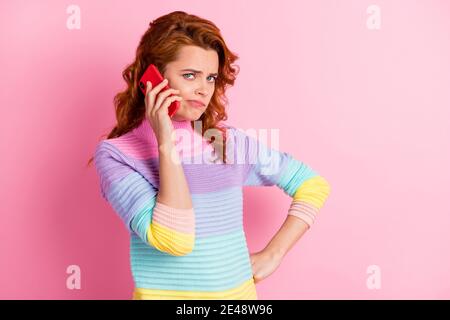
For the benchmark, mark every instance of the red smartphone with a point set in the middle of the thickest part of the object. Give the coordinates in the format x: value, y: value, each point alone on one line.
x: 153, y: 75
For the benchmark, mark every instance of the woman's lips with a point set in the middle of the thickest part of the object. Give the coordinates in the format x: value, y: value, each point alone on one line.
x: 196, y: 104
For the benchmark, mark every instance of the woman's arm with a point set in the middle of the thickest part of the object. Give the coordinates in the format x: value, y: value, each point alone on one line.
x: 173, y: 190
x: 172, y: 228
x: 307, y: 201
x: 133, y: 197
x: 265, y: 262
x: 304, y: 185
x: 172, y: 223
x: 289, y: 233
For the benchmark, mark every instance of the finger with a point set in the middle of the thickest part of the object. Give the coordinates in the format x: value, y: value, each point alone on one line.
x: 163, y: 95
x: 159, y: 87
x: 148, y: 103
x: 164, y: 109
x: 148, y: 87
x: 153, y: 92
x: 167, y: 102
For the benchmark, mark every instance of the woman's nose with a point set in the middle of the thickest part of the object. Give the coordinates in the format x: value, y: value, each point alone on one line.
x: 202, y: 91
x: 203, y: 87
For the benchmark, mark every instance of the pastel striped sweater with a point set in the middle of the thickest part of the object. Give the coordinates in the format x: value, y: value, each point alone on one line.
x: 198, y: 253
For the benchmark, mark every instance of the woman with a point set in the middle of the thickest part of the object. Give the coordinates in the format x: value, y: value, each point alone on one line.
x: 175, y: 182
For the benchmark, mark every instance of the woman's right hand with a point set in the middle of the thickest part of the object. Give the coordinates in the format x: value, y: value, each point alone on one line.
x: 157, y: 110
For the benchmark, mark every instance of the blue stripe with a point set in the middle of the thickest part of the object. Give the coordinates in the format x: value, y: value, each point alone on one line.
x: 217, y: 263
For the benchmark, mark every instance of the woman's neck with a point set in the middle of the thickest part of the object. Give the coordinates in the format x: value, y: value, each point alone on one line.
x: 187, y: 140
x: 145, y: 131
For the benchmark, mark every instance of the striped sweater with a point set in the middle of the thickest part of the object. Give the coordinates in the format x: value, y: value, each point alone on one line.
x: 200, y: 253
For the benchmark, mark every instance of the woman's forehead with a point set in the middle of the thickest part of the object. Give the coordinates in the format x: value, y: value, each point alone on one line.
x: 193, y: 57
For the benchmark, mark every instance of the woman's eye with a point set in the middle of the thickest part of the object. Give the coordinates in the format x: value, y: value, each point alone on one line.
x: 187, y: 74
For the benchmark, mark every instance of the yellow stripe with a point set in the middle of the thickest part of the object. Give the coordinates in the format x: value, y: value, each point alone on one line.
x: 169, y: 240
x: 314, y: 191
x: 246, y: 291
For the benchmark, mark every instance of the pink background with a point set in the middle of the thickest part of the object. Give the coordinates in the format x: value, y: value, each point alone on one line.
x: 368, y: 109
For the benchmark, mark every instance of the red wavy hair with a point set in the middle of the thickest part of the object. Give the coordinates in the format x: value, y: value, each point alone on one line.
x: 159, y: 45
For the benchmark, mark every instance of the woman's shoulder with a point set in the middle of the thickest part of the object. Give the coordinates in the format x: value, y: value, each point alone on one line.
x: 106, y: 149
x: 129, y: 148
x: 237, y: 134
x: 232, y: 129
x: 109, y: 145
x: 118, y: 148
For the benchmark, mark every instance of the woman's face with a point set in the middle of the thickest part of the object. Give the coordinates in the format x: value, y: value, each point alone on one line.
x: 194, y: 74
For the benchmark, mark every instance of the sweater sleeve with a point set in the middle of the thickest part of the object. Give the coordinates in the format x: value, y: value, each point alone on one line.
x: 267, y: 166
x: 309, y: 199
x: 133, y: 198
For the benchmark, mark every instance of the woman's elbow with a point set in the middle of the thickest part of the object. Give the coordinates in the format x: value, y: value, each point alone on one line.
x: 170, y: 241
x: 315, y: 191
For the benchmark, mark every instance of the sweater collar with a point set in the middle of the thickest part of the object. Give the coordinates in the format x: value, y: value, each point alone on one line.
x: 146, y: 133
x: 187, y: 140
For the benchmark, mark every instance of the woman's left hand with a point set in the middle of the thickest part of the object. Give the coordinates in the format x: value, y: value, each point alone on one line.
x: 264, y: 263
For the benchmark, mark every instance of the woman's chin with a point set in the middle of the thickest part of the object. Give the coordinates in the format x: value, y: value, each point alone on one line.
x: 191, y: 116
x: 180, y: 117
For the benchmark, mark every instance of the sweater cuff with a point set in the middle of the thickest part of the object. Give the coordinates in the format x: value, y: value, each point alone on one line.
x: 304, y: 211
x: 182, y: 220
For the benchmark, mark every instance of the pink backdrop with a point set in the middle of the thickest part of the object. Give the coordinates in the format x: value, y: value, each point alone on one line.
x: 367, y: 108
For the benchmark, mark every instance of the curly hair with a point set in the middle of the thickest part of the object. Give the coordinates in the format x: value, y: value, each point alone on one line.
x: 160, y: 45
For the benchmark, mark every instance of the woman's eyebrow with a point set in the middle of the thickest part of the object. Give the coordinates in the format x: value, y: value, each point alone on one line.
x: 200, y: 72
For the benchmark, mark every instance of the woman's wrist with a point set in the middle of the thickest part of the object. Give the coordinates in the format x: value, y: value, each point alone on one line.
x: 165, y: 147
x: 274, y: 252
